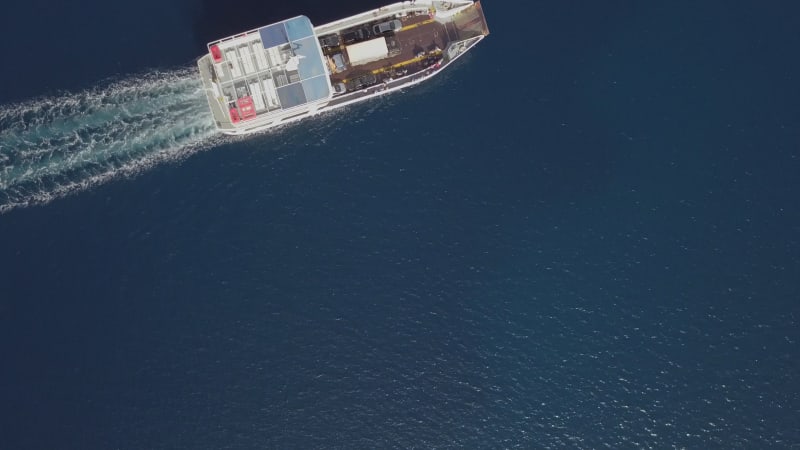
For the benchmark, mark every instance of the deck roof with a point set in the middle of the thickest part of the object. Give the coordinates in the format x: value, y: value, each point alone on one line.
x: 284, y: 56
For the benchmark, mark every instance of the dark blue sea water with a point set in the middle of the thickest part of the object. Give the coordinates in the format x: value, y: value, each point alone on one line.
x: 584, y: 234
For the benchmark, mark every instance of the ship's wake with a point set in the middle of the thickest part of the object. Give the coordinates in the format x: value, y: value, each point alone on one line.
x: 50, y: 147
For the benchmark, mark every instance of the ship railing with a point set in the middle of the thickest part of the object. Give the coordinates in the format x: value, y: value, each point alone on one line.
x: 384, y: 12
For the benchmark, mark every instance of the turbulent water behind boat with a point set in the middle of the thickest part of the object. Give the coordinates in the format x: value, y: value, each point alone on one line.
x: 55, y: 145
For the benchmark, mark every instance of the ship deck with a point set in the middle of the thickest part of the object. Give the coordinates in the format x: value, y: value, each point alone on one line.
x: 415, y: 46
x: 419, y: 38
x: 267, y: 76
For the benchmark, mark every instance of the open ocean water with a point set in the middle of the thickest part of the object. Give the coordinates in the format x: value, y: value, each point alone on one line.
x: 584, y: 234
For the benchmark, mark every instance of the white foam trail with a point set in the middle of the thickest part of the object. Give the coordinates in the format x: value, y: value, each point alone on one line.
x: 53, y: 146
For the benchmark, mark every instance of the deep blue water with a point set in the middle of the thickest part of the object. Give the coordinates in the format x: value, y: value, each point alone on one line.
x: 585, y: 234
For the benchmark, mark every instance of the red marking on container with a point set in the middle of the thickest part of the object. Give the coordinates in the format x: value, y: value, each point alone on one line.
x: 246, y: 108
x: 216, y: 53
x: 234, y: 115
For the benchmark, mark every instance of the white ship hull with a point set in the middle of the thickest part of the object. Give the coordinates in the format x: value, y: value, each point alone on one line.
x: 290, y: 71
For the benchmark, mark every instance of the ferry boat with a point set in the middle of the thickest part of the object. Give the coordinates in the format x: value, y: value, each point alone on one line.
x: 291, y: 70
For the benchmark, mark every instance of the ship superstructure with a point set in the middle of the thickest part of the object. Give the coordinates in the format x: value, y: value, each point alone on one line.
x: 290, y: 70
